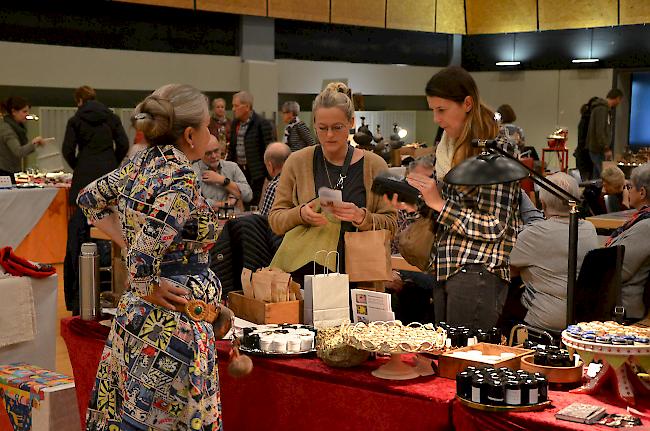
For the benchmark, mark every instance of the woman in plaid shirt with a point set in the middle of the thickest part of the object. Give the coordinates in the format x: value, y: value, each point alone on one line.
x: 476, y: 225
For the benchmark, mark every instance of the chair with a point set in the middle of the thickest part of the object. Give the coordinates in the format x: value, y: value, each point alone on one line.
x: 597, y: 294
x: 613, y: 203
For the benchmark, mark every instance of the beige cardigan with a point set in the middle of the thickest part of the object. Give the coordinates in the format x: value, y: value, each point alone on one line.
x: 297, y: 188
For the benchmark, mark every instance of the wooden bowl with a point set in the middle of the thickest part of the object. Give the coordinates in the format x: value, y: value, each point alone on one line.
x: 553, y: 374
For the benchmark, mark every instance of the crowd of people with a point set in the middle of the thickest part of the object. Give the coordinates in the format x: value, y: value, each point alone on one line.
x: 160, y: 205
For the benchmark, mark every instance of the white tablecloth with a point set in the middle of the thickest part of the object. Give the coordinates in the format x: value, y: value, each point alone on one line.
x: 20, y: 211
x: 42, y: 350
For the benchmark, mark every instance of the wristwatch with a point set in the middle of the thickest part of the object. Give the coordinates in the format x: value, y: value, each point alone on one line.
x: 226, y: 181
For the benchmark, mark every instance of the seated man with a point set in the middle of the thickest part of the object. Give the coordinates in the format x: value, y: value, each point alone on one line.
x: 221, y: 181
x: 634, y: 236
x: 612, y: 183
x: 274, y: 157
x: 541, y: 254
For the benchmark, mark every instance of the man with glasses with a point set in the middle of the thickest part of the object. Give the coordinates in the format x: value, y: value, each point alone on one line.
x: 221, y: 181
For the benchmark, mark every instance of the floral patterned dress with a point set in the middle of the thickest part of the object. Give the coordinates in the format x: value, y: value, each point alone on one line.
x: 158, y: 369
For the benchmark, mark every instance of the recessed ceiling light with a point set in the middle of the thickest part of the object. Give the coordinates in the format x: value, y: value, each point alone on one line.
x: 585, y: 60
x: 508, y: 63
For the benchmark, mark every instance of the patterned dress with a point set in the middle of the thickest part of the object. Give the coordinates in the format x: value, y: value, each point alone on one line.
x: 158, y: 369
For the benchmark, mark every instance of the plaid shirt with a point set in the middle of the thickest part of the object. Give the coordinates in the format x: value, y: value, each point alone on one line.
x: 478, y: 224
x: 269, y: 196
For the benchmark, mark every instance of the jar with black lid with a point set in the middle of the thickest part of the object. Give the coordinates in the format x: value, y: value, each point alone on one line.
x: 496, y: 392
x: 513, y: 392
x: 532, y: 388
x: 542, y: 387
x: 554, y: 360
x: 479, y: 390
x: 495, y: 336
x: 464, y: 384
x: 540, y: 358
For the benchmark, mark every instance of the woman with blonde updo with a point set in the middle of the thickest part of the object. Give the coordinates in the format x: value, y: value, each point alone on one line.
x: 158, y: 369
x: 323, y: 165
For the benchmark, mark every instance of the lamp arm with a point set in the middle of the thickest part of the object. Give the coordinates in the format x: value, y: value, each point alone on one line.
x: 547, y: 185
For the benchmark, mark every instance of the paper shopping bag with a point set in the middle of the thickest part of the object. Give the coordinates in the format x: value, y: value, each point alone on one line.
x: 327, y: 299
x: 264, y: 280
x: 367, y: 255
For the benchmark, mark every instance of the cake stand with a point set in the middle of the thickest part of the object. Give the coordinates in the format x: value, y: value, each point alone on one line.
x: 395, y: 339
x: 617, y: 366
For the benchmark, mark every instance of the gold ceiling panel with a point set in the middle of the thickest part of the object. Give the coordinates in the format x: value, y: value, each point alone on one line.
x: 563, y: 14
x: 635, y: 12
x: 369, y: 13
x: 305, y: 10
x: 183, y: 4
x: 244, y: 7
x: 489, y: 16
x: 419, y: 15
x: 450, y: 16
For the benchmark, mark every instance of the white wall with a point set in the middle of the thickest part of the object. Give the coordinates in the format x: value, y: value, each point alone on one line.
x: 306, y: 77
x: 70, y: 67
x: 544, y: 100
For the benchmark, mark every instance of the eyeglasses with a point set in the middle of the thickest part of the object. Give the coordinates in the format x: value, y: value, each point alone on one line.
x: 627, y: 186
x: 336, y: 128
x: 213, y: 152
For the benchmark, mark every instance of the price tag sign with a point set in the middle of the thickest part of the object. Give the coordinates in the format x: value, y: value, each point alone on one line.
x: 5, y: 182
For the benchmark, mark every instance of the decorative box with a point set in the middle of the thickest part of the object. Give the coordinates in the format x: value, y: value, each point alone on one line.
x: 32, y: 398
x: 449, y: 365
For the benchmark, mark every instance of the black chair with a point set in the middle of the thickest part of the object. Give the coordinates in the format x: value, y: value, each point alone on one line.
x: 597, y: 294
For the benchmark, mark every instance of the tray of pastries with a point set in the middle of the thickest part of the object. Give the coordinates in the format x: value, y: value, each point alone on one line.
x: 277, y: 340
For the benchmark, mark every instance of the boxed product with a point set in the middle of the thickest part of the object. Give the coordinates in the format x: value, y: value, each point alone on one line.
x: 478, y: 355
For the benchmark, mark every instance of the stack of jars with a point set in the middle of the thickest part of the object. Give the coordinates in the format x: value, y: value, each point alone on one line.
x: 462, y: 336
x: 501, y: 386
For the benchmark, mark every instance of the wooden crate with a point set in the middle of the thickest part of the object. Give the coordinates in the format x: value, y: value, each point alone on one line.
x: 449, y: 366
x: 260, y: 312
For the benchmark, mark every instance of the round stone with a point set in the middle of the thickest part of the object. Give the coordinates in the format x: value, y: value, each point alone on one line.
x: 198, y: 310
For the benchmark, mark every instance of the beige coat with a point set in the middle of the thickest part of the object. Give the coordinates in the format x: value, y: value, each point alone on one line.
x: 297, y: 188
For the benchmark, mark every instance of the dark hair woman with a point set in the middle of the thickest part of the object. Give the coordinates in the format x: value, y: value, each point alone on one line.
x: 476, y: 225
x: 14, y: 144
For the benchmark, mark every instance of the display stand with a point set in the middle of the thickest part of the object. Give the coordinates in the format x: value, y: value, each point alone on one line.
x: 617, y: 367
x: 562, y: 155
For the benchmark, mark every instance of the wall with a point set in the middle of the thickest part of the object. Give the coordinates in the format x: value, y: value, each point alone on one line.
x: 544, y: 100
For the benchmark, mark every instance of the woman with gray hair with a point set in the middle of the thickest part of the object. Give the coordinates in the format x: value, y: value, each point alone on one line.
x: 541, y: 253
x: 296, y: 134
x: 633, y: 235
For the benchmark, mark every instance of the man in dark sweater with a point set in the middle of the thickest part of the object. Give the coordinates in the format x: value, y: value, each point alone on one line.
x: 599, y: 134
x: 249, y: 136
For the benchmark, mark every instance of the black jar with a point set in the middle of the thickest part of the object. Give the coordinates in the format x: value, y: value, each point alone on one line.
x: 464, y: 385
x: 496, y: 393
x: 542, y: 388
x: 479, y: 390
x: 513, y: 392
x: 540, y: 358
x: 530, y: 392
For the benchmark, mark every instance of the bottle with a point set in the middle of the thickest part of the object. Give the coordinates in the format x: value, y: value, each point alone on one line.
x: 89, y: 282
x: 464, y: 385
x: 513, y: 392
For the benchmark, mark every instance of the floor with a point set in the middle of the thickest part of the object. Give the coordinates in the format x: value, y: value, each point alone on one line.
x: 62, y: 360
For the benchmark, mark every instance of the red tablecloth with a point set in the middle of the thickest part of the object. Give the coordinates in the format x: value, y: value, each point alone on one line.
x: 304, y: 393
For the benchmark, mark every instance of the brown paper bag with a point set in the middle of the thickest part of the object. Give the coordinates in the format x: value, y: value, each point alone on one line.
x: 246, y: 283
x: 367, y: 255
x: 416, y: 242
x: 263, y: 280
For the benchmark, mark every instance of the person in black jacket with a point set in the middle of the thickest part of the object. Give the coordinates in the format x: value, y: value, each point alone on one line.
x: 94, y: 144
x: 249, y: 136
x: 296, y: 134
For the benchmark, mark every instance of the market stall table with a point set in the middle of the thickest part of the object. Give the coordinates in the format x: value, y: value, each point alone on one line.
x: 611, y: 220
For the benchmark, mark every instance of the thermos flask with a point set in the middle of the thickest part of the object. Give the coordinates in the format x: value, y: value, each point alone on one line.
x: 89, y: 281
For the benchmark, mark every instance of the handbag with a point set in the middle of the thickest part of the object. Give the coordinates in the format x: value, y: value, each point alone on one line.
x: 367, y: 255
x: 416, y: 241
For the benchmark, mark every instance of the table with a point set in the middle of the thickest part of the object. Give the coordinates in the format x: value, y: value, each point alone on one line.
x: 41, y: 351
x: 38, y: 219
x: 611, y: 220
x: 303, y: 393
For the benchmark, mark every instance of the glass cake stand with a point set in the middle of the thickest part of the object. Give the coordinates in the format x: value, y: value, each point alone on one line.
x: 617, y: 366
x: 395, y: 339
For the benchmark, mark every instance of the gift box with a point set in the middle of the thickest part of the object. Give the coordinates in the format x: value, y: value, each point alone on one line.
x: 449, y: 366
x: 32, y: 398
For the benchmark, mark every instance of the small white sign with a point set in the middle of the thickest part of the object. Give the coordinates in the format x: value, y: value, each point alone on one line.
x: 5, y: 182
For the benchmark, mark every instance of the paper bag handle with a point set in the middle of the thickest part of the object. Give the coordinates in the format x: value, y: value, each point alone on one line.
x: 316, y: 255
x: 338, y: 262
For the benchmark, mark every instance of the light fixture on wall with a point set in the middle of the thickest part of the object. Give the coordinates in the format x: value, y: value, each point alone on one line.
x: 511, y: 62
x: 31, y: 117
x: 589, y: 59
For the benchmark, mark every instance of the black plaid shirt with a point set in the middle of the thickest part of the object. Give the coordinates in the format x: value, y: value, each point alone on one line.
x: 269, y: 196
x: 478, y: 224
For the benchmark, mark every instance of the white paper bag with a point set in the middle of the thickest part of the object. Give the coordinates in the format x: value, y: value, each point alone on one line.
x: 327, y: 298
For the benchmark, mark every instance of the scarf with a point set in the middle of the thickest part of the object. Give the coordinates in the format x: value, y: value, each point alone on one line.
x: 642, y: 214
x: 444, y: 155
x: 287, y: 129
x: 19, y: 129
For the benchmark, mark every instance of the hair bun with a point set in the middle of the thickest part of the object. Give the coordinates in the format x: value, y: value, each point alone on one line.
x: 154, y: 117
x: 339, y: 87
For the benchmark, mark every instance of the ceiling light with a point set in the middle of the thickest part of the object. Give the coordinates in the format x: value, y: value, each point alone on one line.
x: 584, y: 60
x: 508, y: 63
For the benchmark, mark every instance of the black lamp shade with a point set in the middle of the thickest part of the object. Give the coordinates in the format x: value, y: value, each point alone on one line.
x: 486, y: 169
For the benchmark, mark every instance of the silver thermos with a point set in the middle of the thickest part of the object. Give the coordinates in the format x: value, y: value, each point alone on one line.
x: 89, y: 281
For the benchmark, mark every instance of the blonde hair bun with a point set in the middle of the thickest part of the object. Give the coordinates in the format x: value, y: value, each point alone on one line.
x: 335, y: 95
x: 339, y: 87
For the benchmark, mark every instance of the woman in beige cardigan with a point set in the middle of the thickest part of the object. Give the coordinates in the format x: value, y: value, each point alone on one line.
x: 320, y: 166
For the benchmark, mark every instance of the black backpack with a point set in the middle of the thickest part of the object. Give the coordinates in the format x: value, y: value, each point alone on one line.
x: 583, y: 125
